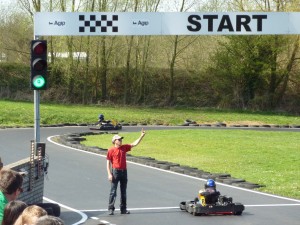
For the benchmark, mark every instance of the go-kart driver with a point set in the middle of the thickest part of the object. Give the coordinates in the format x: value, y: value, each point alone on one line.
x: 210, y: 194
x: 101, y: 120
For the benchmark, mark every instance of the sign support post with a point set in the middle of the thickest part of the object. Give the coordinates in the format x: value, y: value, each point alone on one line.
x: 36, y: 94
x: 36, y: 116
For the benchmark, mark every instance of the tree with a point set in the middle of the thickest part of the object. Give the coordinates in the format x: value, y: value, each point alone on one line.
x: 103, y: 54
x: 128, y: 60
x: 254, y: 71
x: 177, y: 50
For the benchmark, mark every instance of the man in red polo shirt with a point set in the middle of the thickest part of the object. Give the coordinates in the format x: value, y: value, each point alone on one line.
x: 117, y: 171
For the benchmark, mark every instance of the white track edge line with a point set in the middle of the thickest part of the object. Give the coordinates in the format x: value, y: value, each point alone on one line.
x: 84, y: 217
x: 177, y: 207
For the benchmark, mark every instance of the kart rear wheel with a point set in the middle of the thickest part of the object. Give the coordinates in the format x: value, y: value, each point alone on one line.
x: 51, y: 208
x: 238, y: 213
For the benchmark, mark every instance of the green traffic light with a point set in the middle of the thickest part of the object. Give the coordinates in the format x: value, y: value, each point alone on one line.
x: 39, y: 82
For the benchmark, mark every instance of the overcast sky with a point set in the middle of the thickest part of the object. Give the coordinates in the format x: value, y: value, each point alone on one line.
x: 7, y: 1
x: 164, y: 4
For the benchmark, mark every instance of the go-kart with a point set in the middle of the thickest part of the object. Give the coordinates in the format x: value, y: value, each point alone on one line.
x: 220, y: 205
x: 106, y: 125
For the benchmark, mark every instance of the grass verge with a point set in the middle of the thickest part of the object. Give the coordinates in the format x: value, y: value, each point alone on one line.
x: 264, y: 157
x: 22, y: 114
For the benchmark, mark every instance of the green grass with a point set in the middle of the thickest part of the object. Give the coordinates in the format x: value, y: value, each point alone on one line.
x: 268, y: 158
x: 22, y: 114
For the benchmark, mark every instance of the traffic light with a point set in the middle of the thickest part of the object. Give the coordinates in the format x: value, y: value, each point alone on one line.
x: 38, y: 80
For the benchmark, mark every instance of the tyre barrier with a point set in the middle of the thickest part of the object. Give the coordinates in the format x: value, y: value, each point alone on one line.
x: 187, y: 122
x: 73, y: 140
x: 52, y: 209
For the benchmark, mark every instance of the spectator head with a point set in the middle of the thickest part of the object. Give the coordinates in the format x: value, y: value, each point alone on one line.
x: 10, y: 183
x: 12, y: 211
x: 30, y: 215
x: 49, y: 220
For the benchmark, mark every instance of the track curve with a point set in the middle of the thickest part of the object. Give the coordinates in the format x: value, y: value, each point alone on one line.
x: 77, y: 180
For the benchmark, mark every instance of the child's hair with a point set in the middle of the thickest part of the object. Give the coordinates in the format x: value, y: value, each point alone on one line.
x: 49, y: 220
x: 30, y: 215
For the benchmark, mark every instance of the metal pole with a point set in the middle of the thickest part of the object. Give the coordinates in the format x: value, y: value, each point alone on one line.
x: 36, y: 116
x: 36, y: 112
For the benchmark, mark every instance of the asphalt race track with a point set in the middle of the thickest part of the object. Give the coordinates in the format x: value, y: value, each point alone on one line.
x: 77, y: 180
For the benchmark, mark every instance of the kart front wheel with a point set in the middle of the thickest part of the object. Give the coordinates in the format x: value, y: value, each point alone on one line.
x: 182, y: 206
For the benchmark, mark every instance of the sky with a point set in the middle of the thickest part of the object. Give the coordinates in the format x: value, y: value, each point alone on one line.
x: 7, y: 1
x: 168, y: 6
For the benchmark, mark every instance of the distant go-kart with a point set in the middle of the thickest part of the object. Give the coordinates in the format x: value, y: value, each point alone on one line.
x: 105, y: 124
x: 207, y: 204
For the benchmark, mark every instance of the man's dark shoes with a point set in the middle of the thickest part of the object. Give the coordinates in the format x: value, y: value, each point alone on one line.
x: 110, y: 212
x: 125, y: 212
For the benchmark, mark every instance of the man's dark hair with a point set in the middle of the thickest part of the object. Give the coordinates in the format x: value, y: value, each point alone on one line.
x: 10, y: 181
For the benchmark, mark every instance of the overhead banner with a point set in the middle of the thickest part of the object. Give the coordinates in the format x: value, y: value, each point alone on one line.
x: 169, y: 23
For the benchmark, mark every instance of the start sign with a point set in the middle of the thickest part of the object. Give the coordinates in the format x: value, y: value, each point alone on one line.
x: 149, y: 23
x: 223, y: 23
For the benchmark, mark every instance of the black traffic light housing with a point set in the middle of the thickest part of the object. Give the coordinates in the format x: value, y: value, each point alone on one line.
x: 39, y: 79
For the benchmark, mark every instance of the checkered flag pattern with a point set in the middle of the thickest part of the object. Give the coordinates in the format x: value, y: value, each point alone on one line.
x: 102, y: 24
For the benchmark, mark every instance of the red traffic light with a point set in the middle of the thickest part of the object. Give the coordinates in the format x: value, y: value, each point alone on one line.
x: 39, y: 48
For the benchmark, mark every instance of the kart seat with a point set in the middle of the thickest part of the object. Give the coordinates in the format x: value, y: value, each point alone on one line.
x: 211, y: 197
